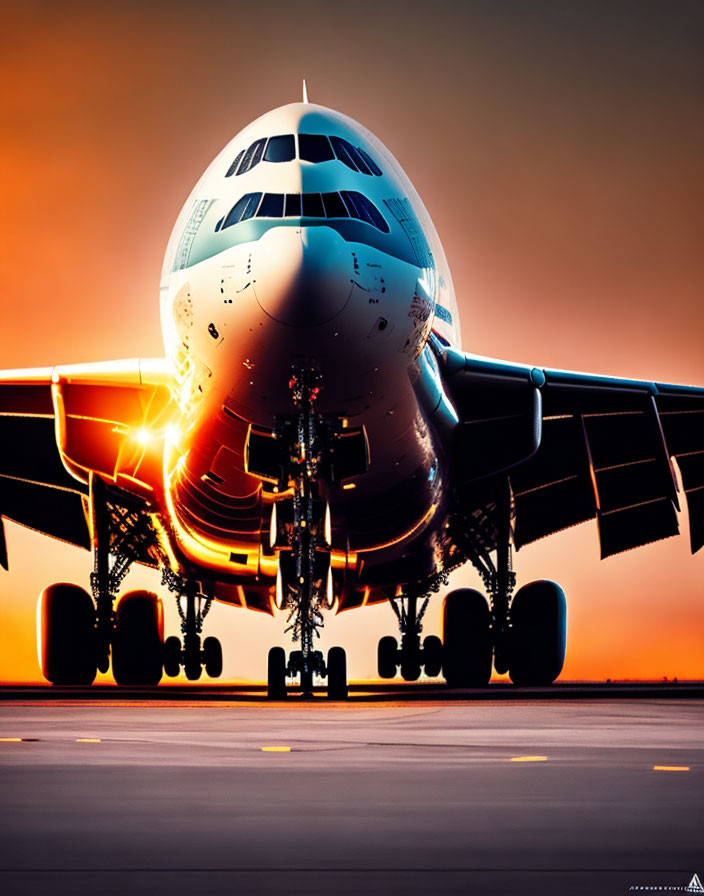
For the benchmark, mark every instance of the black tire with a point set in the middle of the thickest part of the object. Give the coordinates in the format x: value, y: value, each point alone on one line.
x: 276, y: 674
x: 172, y: 656
x: 212, y: 653
x: 67, y: 634
x: 193, y: 669
x: 467, y: 642
x: 538, y: 634
x: 137, y: 649
x: 410, y: 670
x: 386, y: 655
x: 337, y: 674
x: 432, y: 656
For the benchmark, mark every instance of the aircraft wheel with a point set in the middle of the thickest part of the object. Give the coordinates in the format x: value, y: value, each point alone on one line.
x: 193, y: 669
x: 386, y: 656
x: 212, y: 654
x: 538, y: 634
x: 137, y: 648
x: 172, y: 656
x: 337, y: 674
x: 432, y: 655
x: 467, y: 645
x: 276, y: 674
x: 67, y: 634
x: 410, y: 670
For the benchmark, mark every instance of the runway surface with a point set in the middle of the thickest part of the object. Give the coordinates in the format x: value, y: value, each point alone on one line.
x: 128, y: 795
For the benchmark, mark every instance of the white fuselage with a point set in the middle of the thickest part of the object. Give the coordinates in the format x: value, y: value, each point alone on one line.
x: 284, y: 264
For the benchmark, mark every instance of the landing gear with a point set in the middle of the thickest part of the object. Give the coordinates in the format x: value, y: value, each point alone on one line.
x: 137, y: 641
x: 276, y: 674
x: 193, y: 607
x: 538, y: 634
x: 527, y: 635
x: 411, y: 656
x: 301, y: 535
x: 337, y: 674
x: 335, y: 670
x: 67, y: 635
x: 467, y: 639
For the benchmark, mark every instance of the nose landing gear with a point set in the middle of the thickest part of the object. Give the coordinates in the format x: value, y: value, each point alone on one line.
x: 302, y: 538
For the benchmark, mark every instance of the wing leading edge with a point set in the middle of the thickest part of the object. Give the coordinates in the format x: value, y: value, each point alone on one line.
x: 604, y: 449
x: 60, y: 425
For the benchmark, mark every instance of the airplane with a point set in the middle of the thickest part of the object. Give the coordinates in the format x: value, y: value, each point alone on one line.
x: 315, y: 440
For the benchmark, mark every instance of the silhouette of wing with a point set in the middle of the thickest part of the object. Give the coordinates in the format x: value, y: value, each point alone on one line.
x: 578, y: 446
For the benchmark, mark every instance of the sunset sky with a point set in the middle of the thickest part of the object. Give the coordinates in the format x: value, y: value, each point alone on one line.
x: 558, y: 147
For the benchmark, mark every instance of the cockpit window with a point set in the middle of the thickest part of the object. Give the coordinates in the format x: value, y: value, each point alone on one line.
x: 280, y: 149
x: 293, y: 205
x: 314, y: 148
x: 361, y: 207
x: 272, y: 206
x: 346, y: 204
x: 334, y: 206
x: 243, y: 209
x: 313, y: 206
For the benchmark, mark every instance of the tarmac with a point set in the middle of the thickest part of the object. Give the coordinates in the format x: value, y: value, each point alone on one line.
x: 582, y: 789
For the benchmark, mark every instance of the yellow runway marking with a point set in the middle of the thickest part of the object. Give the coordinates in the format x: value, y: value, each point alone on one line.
x: 670, y: 768
x: 88, y: 740
x: 276, y: 749
x: 528, y: 759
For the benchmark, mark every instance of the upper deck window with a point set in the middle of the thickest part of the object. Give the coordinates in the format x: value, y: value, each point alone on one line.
x: 233, y: 167
x: 280, y: 149
x: 371, y: 164
x: 252, y: 156
x: 340, y: 147
x: 311, y: 148
x: 314, y: 148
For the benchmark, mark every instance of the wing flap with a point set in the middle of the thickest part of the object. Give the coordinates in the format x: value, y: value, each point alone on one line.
x: 28, y: 451
x: 53, y: 511
x: 631, y: 527
x: 605, y: 452
x: 682, y: 418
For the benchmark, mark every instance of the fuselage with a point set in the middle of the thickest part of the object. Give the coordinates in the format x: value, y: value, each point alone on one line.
x: 305, y: 243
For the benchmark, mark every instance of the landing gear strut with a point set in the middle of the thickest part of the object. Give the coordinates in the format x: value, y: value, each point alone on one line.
x: 410, y: 656
x: 527, y: 634
x: 193, y: 607
x: 303, y: 542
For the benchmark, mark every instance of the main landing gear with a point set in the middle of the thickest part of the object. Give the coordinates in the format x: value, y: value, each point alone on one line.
x: 193, y: 656
x: 411, y: 656
x: 301, y: 535
x: 524, y: 636
x: 80, y: 633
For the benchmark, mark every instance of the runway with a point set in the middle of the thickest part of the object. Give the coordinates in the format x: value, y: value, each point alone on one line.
x: 131, y: 795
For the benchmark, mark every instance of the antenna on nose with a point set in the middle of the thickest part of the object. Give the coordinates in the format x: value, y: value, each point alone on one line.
x: 305, y: 91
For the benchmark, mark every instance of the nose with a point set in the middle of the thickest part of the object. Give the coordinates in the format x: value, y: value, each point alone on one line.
x: 303, y: 275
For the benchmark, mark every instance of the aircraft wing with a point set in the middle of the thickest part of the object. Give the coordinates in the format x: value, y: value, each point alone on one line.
x: 584, y: 446
x: 60, y: 425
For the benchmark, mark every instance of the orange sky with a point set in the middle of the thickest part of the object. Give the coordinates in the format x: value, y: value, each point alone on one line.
x: 557, y: 146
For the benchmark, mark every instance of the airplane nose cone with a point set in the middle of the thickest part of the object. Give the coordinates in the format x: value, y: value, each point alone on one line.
x: 302, y: 275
